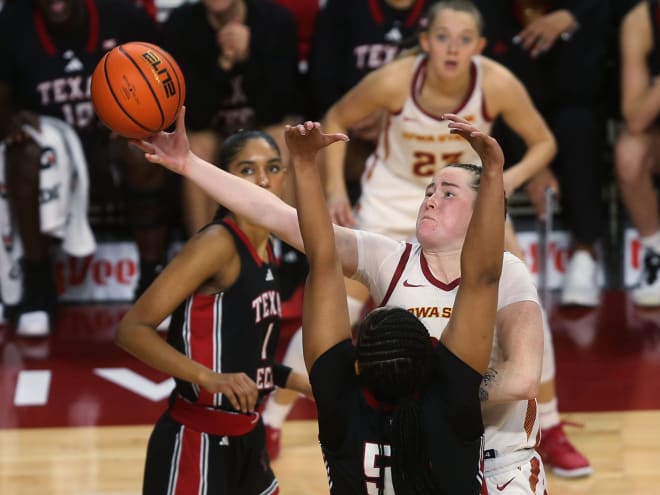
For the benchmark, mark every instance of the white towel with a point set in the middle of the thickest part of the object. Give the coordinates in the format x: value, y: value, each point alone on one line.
x: 64, y: 196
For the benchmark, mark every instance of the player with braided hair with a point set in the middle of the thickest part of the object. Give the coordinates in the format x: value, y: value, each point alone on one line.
x: 380, y: 401
x: 394, y: 373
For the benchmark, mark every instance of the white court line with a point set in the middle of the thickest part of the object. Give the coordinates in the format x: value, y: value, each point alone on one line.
x: 32, y: 388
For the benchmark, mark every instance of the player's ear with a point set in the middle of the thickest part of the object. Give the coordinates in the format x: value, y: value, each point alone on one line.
x: 423, y: 41
x: 481, y: 44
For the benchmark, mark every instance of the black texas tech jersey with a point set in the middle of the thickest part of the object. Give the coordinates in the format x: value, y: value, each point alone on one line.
x: 235, y: 330
x: 354, y: 428
x: 51, y: 74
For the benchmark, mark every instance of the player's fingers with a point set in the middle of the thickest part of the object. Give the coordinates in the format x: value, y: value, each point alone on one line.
x: 153, y: 158
x: 141, y: 145
x: 181, y: 119
x: 338, y: 136
x: 334, y: 217
x: 454, y: 118
x: 233, y: 399
x: 249, y: 393
x: 347, y: 218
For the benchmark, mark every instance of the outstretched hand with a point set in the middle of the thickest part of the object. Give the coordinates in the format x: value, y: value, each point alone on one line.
x: 486, y: 146
x: 305, y: 140
x: 169, y: 149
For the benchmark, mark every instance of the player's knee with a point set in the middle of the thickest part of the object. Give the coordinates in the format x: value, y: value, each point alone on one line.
x: 629, y: 163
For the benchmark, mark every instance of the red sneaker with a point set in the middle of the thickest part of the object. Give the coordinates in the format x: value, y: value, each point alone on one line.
x: 559, y: 454
x: 273, y: 445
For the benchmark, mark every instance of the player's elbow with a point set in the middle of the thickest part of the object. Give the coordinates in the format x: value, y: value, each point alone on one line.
x: 635, y: 121
x: 636, y: 125
x: 528, y: 388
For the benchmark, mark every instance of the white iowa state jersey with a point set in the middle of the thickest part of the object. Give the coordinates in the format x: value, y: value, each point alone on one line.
x: 412, y: 146
x: 397, y: 274
x: 415, y: 143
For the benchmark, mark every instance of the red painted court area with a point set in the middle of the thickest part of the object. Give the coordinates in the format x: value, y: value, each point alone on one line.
x: 607, y: 360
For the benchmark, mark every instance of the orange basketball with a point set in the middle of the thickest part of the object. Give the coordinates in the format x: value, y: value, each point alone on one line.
x: 137, y: 89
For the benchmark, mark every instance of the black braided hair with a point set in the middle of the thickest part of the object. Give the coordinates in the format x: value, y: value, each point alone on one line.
x: 394, y: 354
x: 232, y: 146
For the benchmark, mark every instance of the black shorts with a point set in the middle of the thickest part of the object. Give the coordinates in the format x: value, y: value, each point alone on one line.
x: 182, y: 461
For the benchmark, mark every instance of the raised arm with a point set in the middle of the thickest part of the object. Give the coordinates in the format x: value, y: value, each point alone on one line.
x: 469, y: 333
x: 172, y: 151
x: 325, y: 313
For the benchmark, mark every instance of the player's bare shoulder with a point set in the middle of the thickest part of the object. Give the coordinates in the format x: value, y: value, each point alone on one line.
x: 499, y: 85
x: 392, y: 81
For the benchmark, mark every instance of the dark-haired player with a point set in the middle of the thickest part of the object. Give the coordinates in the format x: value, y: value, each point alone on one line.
x: 395, y: 414
x: 223, y: 290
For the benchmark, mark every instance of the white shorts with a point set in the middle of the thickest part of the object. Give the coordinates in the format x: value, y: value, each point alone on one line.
x: 389, y: 204
x: 526, y: 477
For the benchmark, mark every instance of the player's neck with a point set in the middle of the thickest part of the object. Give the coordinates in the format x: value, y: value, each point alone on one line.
x: 75, y: 23
x: 257, y: 235
x: 455, y: 87
x: 400, y: 4
x: 236, y: 12
x: 445, y: 265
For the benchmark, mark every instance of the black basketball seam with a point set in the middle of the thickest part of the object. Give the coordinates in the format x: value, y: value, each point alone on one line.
x: 170, y: 60
x: 151, y: 89
x: 153, y: 93
x: 114, y: 96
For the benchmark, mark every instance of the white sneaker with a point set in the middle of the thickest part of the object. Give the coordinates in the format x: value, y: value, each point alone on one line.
x: 33, y: 324
x: 647, y: 292
x: 580, y: 286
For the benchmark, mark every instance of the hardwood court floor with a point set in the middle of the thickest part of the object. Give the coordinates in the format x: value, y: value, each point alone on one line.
x: 76, y: 411
x: 623, y: 447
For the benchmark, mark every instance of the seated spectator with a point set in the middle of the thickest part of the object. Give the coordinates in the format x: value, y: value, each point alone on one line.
x: 239, y: 59
x: 49, y: 51
x: 638, y: 145
x: 541, y: 42
x: 62, y: 215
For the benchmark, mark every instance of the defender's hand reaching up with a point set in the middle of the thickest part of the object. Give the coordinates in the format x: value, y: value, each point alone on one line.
x: 305, y: 140
x: 486, y: 147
